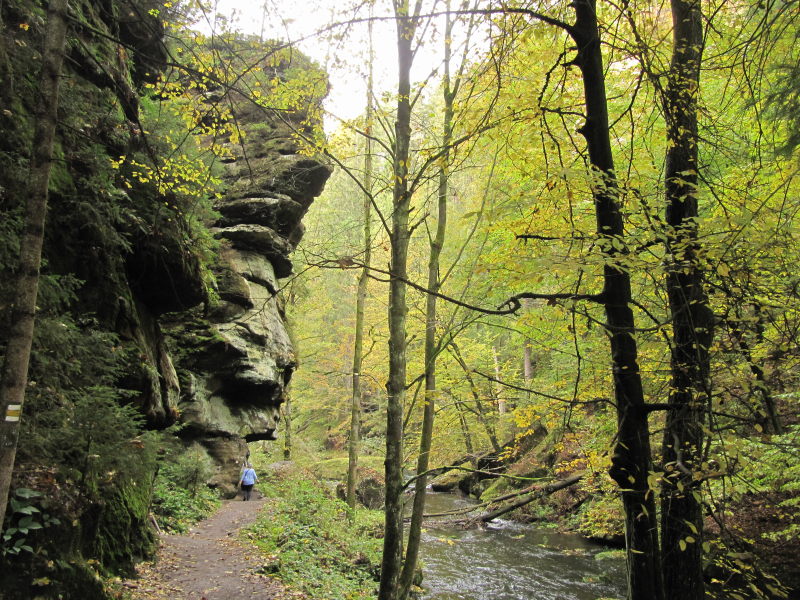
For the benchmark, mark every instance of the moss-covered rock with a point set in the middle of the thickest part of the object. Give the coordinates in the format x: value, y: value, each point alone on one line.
x: 120, y: 532
x: 280, y: 213
x: 451, y: 481
x: 84, y: 538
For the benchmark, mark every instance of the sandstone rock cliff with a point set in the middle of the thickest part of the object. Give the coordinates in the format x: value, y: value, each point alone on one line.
x: 242, y: 356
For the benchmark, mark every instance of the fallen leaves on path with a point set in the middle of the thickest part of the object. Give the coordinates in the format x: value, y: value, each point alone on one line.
x: 208, y: 563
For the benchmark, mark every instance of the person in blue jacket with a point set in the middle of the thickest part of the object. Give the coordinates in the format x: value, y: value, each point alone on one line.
x: 247, y: 481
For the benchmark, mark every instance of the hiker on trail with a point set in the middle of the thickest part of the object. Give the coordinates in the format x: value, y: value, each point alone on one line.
x: 247, y: 481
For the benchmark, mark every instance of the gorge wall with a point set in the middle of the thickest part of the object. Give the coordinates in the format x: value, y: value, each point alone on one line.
x: 159, y: 295
x: 240, y: 356
x: 151, y: 303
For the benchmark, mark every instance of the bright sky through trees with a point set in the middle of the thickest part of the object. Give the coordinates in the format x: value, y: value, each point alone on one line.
x: 342, y: 49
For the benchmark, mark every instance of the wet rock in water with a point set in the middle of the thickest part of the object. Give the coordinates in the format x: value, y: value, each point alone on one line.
x: 449, y: 481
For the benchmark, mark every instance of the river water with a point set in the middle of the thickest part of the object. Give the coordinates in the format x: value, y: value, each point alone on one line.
x: 511, y: 561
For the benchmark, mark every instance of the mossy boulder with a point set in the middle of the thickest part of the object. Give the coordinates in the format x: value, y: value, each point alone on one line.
x: 451, y: 481
x: 280, y: 212
x: 299, y: 177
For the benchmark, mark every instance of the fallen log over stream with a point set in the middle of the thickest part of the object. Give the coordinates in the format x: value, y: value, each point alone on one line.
x: 518, y: 499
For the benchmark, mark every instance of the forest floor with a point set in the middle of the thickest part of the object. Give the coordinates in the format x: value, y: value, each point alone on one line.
x: 209, y: 562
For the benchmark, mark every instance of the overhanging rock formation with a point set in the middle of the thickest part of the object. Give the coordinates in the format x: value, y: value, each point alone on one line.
x: 238, y: 354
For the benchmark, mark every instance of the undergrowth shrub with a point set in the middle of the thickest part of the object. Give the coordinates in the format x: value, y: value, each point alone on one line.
x: 310, y: 543
x: 180, y: 495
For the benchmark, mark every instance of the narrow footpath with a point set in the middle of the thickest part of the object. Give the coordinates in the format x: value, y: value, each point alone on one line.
x: 209, y: 563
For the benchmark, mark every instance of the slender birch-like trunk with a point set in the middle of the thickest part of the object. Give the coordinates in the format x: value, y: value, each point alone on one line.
x: 431, y: 349
x: 361, y: 297
x: 396, y: 385
x: 15, y: 366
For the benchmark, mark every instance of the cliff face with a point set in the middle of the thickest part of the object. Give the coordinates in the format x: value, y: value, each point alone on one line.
x: 150, y: 303
x: 125, y: 302
x: 241, y: 357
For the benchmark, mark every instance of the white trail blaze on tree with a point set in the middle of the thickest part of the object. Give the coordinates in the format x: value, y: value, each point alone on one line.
x: 15, y: 367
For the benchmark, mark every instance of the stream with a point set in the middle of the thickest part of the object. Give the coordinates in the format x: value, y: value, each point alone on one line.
x: 512, y: 561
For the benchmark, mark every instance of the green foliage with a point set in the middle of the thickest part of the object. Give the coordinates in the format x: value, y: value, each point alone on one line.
x: 736, y: 576
x: 180, y: 496
x: 335, y: 469
x: 311, y: 544
x: 23, y: 516
x: 602, y: 518
x: 774, y: 467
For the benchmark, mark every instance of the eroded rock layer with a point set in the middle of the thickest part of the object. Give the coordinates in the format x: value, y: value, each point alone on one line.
x: 242, y: 357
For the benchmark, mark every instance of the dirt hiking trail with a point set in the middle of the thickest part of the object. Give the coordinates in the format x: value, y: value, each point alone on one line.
x: 209, y: 562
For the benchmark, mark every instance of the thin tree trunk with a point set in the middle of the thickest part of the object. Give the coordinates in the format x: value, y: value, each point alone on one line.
x: 498, y: 390
x: 527, y: 353
x: 286, y: 410
x: 527, y: 362
x: 762, y: 387
x: 462, y: 420
x: 692, y: 319
x: 15, y: 366
x: 361, y: 298
x: 431, y: 348
x: 631, y: 463
x: 396, y: 384
x: 476, y: 397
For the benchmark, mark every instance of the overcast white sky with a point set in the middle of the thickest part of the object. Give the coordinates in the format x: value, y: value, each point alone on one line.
x: 343, y: 51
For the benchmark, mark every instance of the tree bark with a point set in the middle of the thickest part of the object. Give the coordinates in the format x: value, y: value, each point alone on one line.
x: 692, y: 319
x: 468, y: 446
x: 396, y: 384
x: 431, y: 348
x: 527, y: 362
x: 15, y: 366
x: 498, y: 389
x: 631, y: 462
x: 361, y: 298
x: 761, y: 386
x: 286, y: 410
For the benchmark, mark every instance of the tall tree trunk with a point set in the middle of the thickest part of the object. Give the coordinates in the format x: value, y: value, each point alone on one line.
x: 462, y: 421
x: 771, y: 417
x: 527, y: 361
x: 286, y: 412
x: 631, y: 463
x: 431, y: 348
x: 361, y: 298
x: 692, y: 319
x: 15, y: 366
x: 396, y: 384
